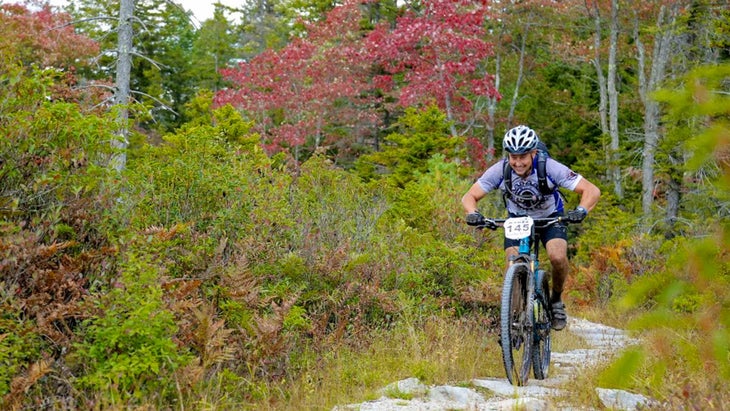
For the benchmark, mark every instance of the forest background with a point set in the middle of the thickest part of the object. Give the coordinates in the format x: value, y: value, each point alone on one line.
x: 263, y: 212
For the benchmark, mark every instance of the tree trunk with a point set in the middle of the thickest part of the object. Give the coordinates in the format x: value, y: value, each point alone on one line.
x: 651, y: 138
x: 450, y: 115
x: 660, y: 58
x: 615, y: 168
x: 674, y: 196
x: 491, y: 111
x: 608, y: 95
x: 122, y: 91
x: 520, y: 75
x: 602, y: 90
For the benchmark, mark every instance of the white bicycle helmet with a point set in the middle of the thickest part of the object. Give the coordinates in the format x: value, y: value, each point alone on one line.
x: 520, y: 140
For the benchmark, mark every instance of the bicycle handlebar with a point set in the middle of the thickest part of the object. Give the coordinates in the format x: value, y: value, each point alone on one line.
x: 539, y: 222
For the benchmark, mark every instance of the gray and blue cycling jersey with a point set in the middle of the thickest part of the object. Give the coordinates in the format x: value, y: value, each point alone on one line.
x: 528, y: 199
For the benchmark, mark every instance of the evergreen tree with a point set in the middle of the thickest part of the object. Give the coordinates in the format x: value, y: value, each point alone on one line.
x: 162, y: 74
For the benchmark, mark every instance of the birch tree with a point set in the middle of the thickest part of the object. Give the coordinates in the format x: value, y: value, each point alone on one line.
x: 699, y: 41
x: 608, y: 93
x: 651, y: 73
x: 614, y: 168
x: 520, y: 75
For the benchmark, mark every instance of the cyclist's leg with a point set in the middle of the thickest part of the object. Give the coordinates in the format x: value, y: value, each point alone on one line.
x: 557, y: 251
x: 555, y: 239
x: 511, y: 249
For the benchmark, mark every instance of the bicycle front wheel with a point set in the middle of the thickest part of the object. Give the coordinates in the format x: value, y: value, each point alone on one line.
x: 542, y: 342
x: 516, y: 324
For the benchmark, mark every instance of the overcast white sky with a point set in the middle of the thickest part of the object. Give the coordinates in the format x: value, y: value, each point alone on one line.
x: 202, y: 9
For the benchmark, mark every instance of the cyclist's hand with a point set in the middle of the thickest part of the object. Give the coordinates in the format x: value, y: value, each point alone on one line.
x: 475, y: 219
x: 577, y: 215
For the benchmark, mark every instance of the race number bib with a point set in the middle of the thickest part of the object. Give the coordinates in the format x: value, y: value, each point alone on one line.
x: 518, y: 228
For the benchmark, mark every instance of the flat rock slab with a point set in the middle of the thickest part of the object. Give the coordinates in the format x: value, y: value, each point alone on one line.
x: 600, y: 336
x: 501, y: 386
x: 623, y: 400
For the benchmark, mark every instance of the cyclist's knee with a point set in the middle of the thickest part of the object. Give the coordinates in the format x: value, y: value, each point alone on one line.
x: 558, y: 260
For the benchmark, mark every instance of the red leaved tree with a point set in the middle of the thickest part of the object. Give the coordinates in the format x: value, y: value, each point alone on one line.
x: 43, y: 38
x: 326, y: 88
x: 313, y: 92
x: 438, y: 51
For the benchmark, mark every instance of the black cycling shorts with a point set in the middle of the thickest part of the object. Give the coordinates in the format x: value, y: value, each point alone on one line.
x: 557, y: 230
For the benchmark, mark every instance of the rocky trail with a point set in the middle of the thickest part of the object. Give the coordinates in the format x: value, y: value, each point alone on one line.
x: 498, y: 394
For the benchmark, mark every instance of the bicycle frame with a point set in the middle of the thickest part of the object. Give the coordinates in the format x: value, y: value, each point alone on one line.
x: 527, y: 243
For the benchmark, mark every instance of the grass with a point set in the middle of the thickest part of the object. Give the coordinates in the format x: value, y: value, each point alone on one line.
x: 435, y: 350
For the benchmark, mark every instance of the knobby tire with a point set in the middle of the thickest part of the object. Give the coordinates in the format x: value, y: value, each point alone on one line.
x: 542, y: 341
x: 516, y: 324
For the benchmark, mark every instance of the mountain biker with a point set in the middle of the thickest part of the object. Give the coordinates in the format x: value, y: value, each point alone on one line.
x: 524, y: 198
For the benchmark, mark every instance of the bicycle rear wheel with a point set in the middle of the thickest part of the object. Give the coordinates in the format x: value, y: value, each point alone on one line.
x: 542, y: 342
x: 516, y: 324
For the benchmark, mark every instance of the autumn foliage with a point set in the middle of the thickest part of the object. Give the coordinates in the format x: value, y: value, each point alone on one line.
x: 435, y: 55
x: 43, y: 37
x: 338, y: 84
x: 314, y: 91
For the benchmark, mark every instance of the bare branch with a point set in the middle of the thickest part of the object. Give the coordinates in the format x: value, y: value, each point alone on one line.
x: 158, y: 101
x: 84, y: 20
x: 95, y: 85
x: 154, y: 63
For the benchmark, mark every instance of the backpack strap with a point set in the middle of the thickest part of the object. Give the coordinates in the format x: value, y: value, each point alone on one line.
x: 542, y: 180
x: 542, y: 183
x: 507, y: 175
x: 507, y: 178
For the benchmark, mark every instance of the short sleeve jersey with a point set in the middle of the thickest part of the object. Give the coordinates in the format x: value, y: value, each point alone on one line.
x: 541, y: 206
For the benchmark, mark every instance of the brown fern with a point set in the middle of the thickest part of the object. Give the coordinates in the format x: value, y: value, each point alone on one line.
x: 211, y: 338
x: 22, y: 383
x: 162, y: 233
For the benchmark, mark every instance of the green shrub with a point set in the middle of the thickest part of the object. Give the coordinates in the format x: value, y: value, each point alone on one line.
x: 128, y: 351
x: 215, y: 178
x: 19, y: 346
x: 421, y: 135
x: 52, y: 154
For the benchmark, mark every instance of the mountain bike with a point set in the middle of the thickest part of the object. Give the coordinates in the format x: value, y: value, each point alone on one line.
x: 525, y: 314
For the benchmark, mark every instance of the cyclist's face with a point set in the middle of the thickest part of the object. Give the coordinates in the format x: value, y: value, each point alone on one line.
x: 522, y: 163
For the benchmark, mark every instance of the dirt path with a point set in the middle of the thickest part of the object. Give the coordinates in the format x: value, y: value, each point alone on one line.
x: 604, y: 342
